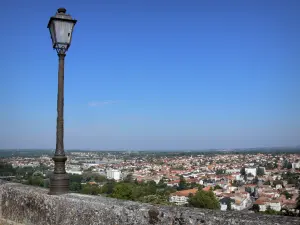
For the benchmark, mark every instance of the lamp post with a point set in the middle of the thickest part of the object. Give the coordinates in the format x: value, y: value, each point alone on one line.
x: 61, y: 27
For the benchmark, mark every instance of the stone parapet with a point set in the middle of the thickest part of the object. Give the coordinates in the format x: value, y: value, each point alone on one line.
x: 21, y: 204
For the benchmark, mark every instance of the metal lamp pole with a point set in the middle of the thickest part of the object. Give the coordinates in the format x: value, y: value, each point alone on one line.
x: 61, y: 27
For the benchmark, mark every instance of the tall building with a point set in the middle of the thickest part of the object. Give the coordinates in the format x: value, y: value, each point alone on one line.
x: 113, y: 174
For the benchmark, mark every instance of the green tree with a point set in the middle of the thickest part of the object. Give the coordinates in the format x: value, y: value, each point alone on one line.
x: 271, y: 211
x: 161, y: 184
x: 228, y: 205
x: 75, y: 178
x: 255, y: 208
x: 217, y: 187
x: 110, y: 186
x: 128, y: 178
x: 100, y: 178
x: 243, y: 171
x: 287, y: 195
x: 248, y: 189
x: 255, y: 180
x: 220, y: 171
x: 204, y: 199
x: 182, y: 183
x: 260, y: 171
x: 7, y: 170
x: 200, y: 187
x: 275, y: 182
x: 298, y: 204
x: 36, y: 181
x: 90, y: 189
x: 46, y: 183
x: 123, y: 191
x: 74, y: 186
x: 194, y: 185
x: 156, y: 199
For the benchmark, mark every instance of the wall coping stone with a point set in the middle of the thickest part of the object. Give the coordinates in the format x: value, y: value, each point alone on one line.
x: 27, y: 205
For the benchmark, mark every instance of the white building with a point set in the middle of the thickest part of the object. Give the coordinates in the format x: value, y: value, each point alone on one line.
x: 182, y: 197
x: 273, y: 205
x: 240, y: 204
x: 296, y: 165
x: 113, y: 174
x: 223, y: 207
x: 264, y: 203
x: 232, y: 171
x: 71, y: 171
x: 179, y: 200
x: 251, y: 171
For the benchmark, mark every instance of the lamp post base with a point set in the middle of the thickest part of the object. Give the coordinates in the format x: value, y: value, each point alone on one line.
x: 59, y: 184
x: 59, y: 180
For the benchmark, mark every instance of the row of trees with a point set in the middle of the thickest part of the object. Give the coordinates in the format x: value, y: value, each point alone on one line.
x: 149, y: 192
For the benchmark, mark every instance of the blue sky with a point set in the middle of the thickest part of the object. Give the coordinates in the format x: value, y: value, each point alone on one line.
x: 152, y: 74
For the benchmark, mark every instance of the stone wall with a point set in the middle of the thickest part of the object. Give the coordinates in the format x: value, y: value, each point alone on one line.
x: 21, y: 204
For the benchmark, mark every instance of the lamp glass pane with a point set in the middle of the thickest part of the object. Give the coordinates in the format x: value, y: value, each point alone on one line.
x: 52, y: 33
x: 63, y: 31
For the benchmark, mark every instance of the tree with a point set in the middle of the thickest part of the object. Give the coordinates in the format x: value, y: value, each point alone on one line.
x: 255, y: 208
x: 243, y: 171
x: 161, y: 184
x: 220, y: 171
x: 36, y: 181
x: 90, y: 189
x: 46, y: 183
x: 182, y: 183
x: 270, y: 211
x: 110, y: 186
x: 128, y: 178
x: 298, y: 204
x: 287, y: 164
x: 260, y: 171
x: 74, y: 186
x: 228, y: 205
x: 248, y: 189
x: 267, y: 182
x: 75, y: 178
x: 7, y: 169
x: 204, y: 199
x: 255, y: 180
x: 99, y: 178
x: 156, y: 199
x: 194, y: 185
x: 123, y: 191
x: 287, y: 195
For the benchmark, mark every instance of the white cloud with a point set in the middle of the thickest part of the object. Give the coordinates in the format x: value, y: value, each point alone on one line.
x: 100, y: 103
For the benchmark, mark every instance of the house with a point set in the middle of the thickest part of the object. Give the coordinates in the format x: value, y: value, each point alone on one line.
x: 173, y: 183
x: 275, y: 205
x: 224, y: 202
x: 181, y: 197
x: 239, y: 203
x: 265, y: 202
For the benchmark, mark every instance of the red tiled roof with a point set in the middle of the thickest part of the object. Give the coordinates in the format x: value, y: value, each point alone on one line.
x: 185, y: 192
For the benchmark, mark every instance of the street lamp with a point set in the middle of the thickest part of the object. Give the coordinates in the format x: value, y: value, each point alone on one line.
x: 61, y: 27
